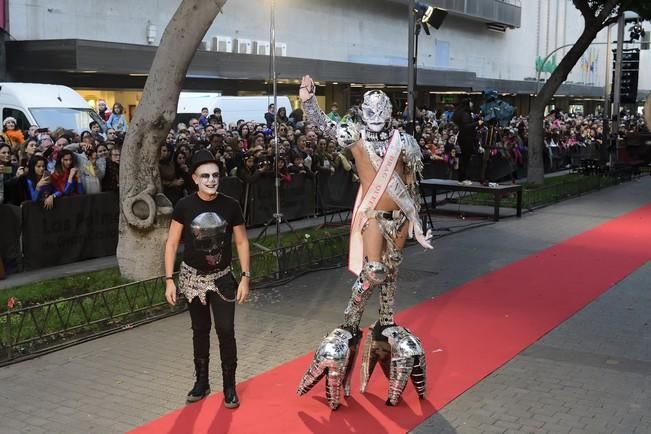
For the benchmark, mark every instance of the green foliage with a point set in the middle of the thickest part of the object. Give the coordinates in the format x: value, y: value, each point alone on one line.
x: 53, y: 289
x: 641, y: 7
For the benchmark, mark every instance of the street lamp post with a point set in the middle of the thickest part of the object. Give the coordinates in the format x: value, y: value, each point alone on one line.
x: 419, y: 16
x: 411, y: 68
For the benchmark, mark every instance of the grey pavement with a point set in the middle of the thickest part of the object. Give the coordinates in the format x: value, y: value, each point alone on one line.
x: 591, y: 374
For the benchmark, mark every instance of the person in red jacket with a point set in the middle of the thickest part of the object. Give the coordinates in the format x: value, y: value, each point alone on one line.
x: 65, y: 178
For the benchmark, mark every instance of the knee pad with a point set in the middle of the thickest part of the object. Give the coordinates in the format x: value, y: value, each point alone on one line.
x: 375, y: 272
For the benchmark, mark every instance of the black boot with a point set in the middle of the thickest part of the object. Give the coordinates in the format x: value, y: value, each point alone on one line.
x: 201, y: 387
x: 230, y: 395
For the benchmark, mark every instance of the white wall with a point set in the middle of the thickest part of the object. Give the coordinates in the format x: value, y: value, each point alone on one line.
x: 371, y: 31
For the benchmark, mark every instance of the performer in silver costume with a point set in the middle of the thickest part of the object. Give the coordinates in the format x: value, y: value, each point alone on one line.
x: 386, y: 212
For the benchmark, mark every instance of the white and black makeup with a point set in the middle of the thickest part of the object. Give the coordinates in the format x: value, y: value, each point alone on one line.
x: 206, y: 177
x: 376, y: 110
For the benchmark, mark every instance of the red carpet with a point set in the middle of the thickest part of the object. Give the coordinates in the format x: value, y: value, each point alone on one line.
x: 469, y: 332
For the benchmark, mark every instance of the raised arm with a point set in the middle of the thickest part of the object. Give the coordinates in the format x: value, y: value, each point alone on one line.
x: 346, y: 134
x: 311, y: 109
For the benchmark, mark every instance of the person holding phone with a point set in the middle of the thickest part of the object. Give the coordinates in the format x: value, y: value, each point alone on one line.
x: 205, y: 222
x: 37, y: 183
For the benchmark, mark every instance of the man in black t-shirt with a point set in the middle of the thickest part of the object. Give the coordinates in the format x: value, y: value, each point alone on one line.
x: 205, y: 222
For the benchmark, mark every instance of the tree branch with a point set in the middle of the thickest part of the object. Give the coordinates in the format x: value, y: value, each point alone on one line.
x: 607, y: 10
x: 585, y: 9
x: 611, y: 20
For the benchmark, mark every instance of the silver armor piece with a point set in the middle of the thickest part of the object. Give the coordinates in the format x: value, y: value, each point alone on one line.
x: 375, y: 272
x: 357, y: 303
x: 346, y: 133
x: 332, y: 360
x: 407, y: 361
x: 374, y: 352
x: 208, y: 225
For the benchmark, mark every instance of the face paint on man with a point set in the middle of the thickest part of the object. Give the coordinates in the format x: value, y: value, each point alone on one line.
x: 207, y: 178
x: 376, y: 110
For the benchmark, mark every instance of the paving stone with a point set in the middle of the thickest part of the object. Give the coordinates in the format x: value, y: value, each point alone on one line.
x: 589, y: 370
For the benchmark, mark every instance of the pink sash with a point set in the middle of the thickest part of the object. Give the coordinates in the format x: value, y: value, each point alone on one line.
x: 369, y: 202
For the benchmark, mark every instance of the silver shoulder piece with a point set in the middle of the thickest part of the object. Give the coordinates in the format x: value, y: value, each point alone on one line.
x: 348, y: 133
x: 411, y: 154
x: 407, y: 361
x: 333, y: 359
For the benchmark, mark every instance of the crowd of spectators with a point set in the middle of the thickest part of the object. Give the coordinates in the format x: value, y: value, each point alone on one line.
x: 43, y: 165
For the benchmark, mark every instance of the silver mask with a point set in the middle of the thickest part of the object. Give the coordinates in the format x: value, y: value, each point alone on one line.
x: 376, y: 110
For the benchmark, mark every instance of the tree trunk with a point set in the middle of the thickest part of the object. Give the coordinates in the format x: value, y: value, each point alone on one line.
x: 535, y: 169
x: 145, y: 211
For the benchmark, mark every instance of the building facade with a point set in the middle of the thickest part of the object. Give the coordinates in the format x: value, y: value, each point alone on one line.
x: 104, y: 49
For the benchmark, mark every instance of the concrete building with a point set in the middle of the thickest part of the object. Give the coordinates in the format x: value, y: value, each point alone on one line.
x: 104, y: 50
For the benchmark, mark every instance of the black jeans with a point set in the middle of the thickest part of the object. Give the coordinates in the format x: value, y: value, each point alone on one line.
x: 464, y: 161
x: 224, y: 316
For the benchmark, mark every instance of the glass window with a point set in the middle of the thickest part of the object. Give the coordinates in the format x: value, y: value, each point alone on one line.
x: 21, y: 119
x: 76, y: 119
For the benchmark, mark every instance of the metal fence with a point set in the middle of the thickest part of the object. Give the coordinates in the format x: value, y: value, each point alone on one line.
x: 35, y: 330
x: 548, y: 194
x: 538, y: 196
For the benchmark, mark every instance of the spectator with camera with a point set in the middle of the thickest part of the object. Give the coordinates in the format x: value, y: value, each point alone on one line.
x: 298, y: 166
x: 323, y: 161
x: 36, y: 183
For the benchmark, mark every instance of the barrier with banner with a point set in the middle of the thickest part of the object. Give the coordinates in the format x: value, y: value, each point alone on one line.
x: 336, y: 191
x: 10, y: 235
x: 231, y: 186
x: 77, y: 228
x: 297, y: 199
x: 84, y: 227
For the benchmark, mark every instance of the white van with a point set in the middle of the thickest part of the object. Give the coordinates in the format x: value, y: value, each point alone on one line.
x: 46, y: 105
x: 234, y: 108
